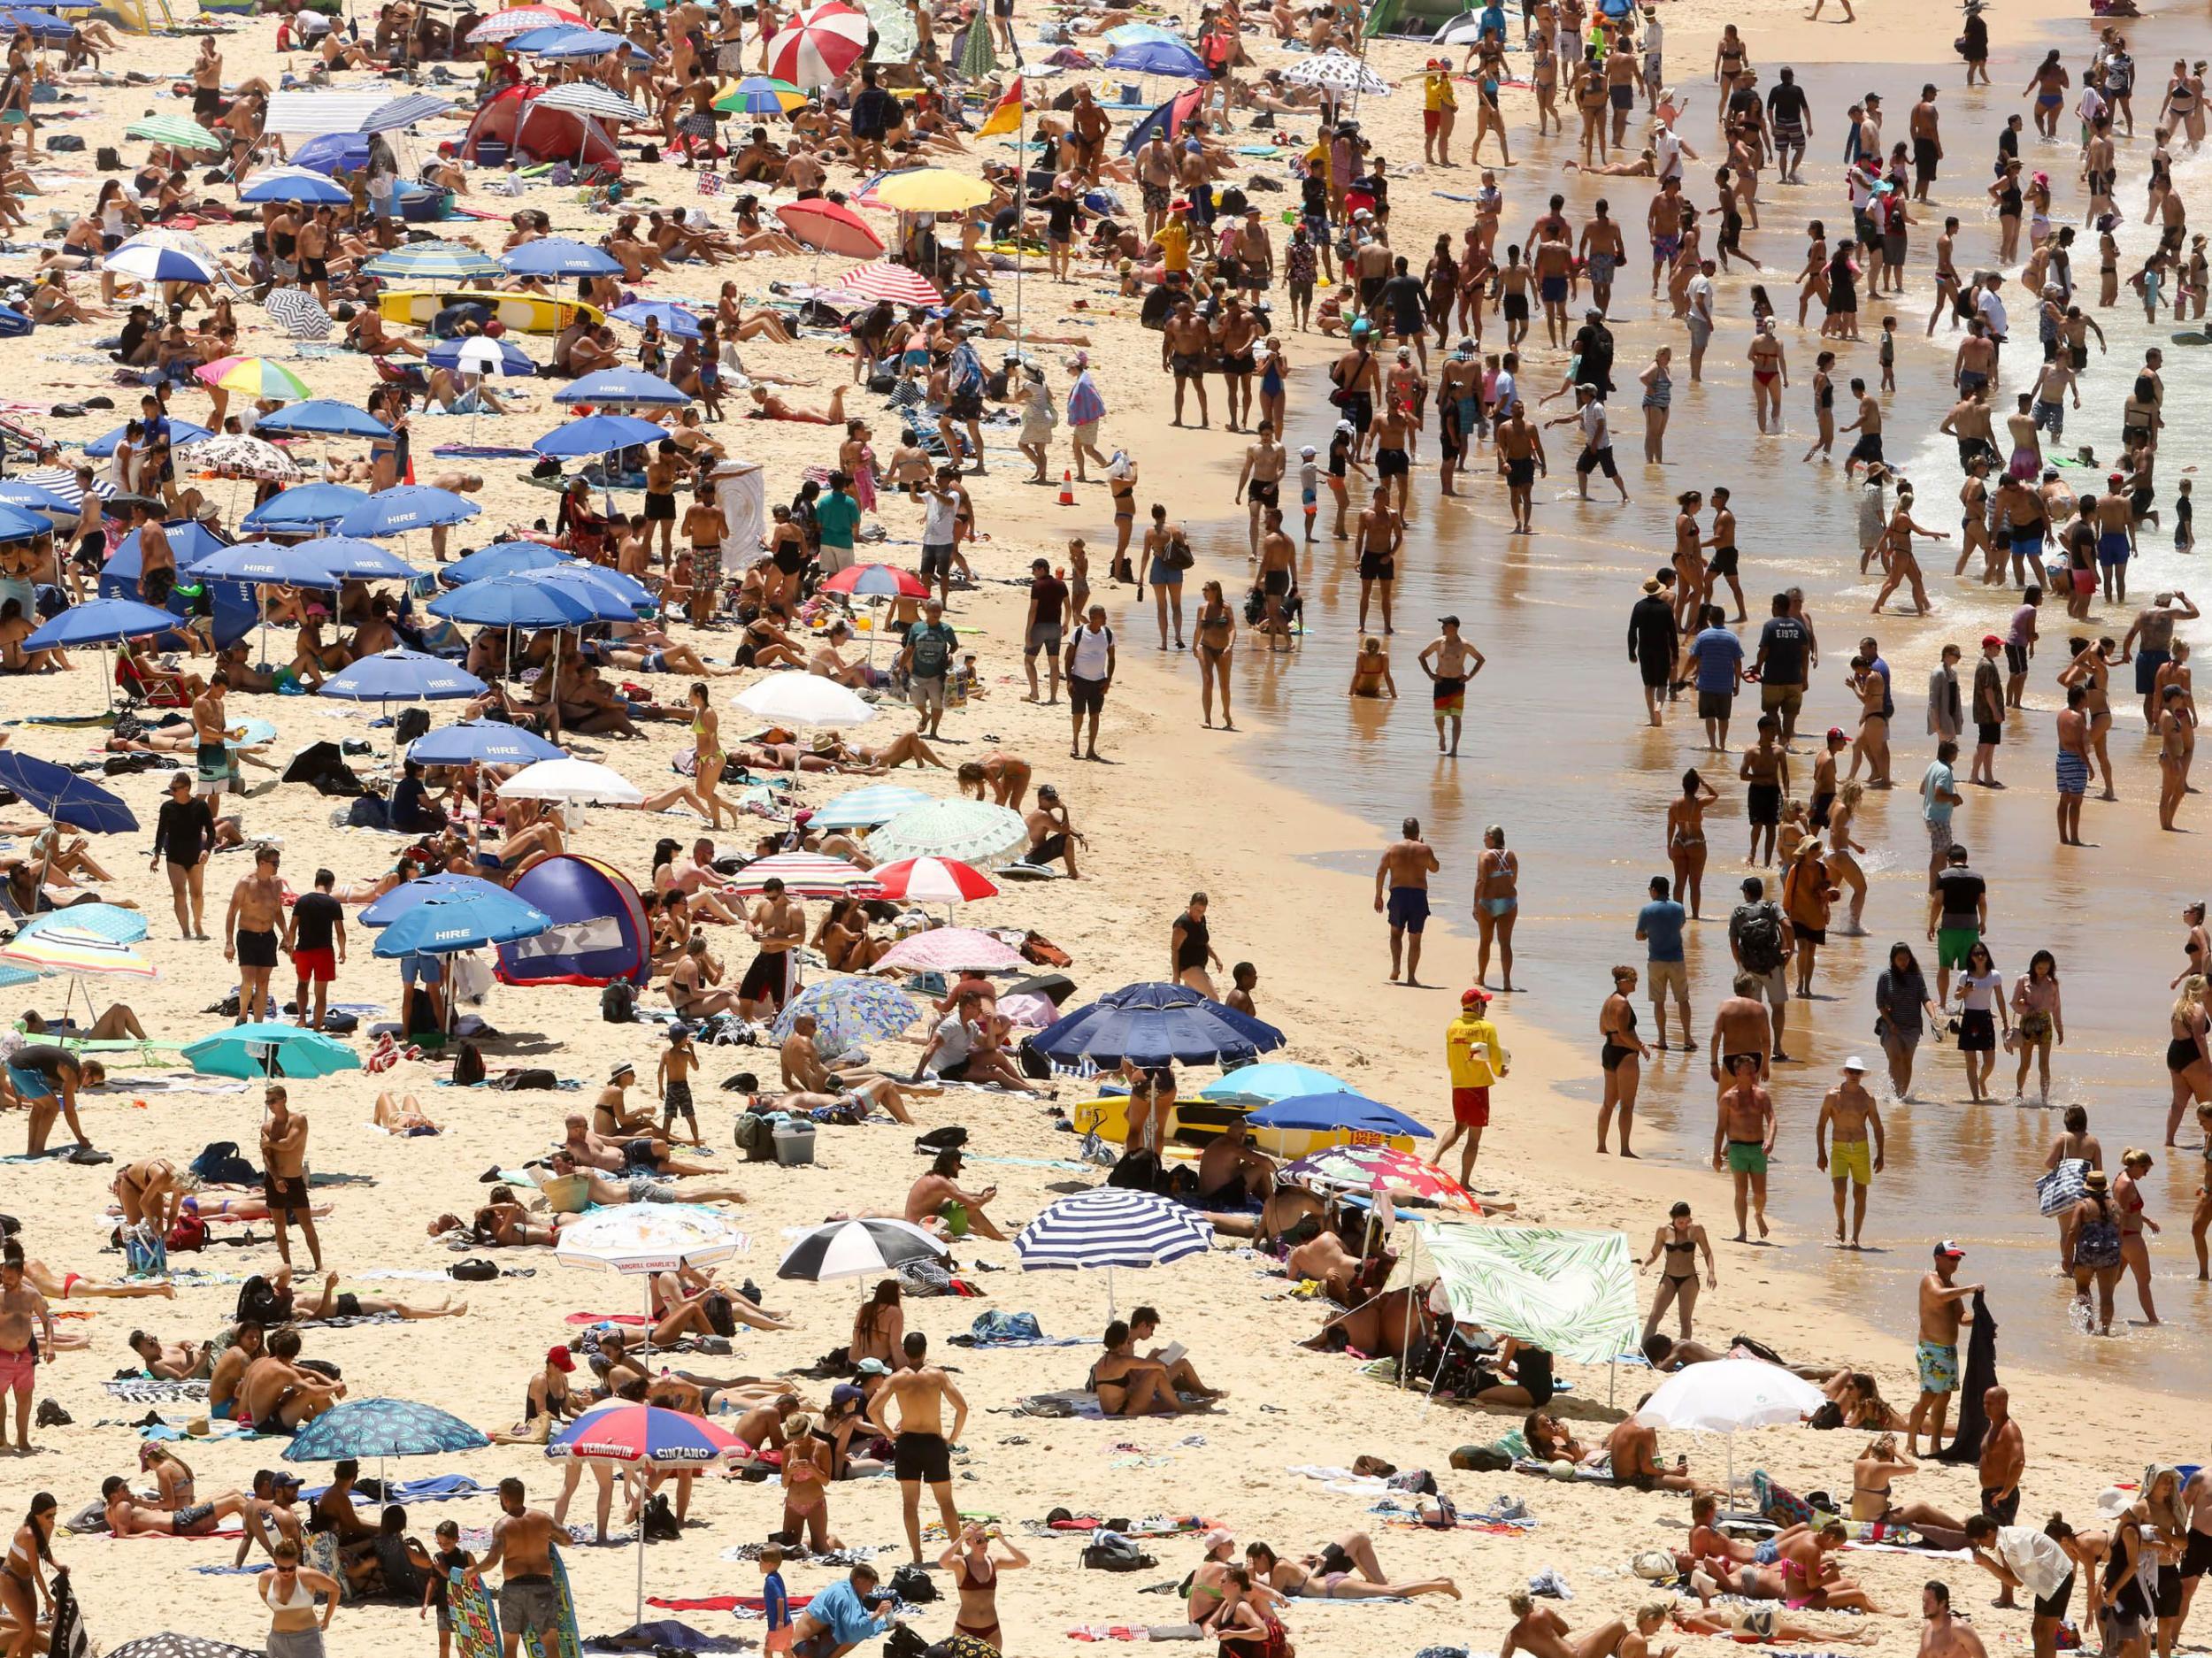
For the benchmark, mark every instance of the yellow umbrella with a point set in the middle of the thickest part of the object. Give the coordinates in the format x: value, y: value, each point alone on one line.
x: 932, y: 190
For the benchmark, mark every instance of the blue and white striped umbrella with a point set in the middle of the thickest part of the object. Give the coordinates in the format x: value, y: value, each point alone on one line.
x: 1110, y: 1226
x: 434, y: 262
x: 866, y: 806
x: 57, y: 481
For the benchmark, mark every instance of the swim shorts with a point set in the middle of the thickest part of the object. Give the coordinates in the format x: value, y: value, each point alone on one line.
x: 318, y: 967
x: 922, y: 1457
x: 1747, y: 1156
x: 1471, y: 1106
x: 1939, y: 1368
x: 1410, y: 908
x: 1449, y: 698
x: 18, y: 1369
x: 1852, y: 1160
x: 1953, y: 943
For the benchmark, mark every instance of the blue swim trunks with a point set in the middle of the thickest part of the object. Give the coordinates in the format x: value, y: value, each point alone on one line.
x: 2112, y: 547
x: 1410, y: 908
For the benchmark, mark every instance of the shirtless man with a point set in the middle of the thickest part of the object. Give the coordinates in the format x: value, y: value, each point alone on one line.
x: 1942, y: 1310
x: 2004, y: 1459
x: 1379, y: 535
x: 935, y: 1195
x: 1743, y: 1136
x: 230, y: 1366
x: 922, y: 1450
x: 1741, y: 1029
x: 1231, y: 1170
x: 1051, y: 835
x: 1945, y: 1636
x: 1278, y: 579
x: 1851, y: 1112
x: 276, y: 1396
x: 127, y: 1517
x: 250, y: 934
x: 1542, y: 1633
x: 21, y: 1346
x: 640, y: 1186
x: 1404, y: 869
x: 1324, y: 1259
x: 1450, y: 662
x: 284, y: 1175
x: 211, y: 752
x: 1520, y: 449
x: 523, y: 1539
x: 777, y: 926
x: 1260, y: 484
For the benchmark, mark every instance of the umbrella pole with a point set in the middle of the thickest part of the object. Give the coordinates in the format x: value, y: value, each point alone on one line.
x: 1445, y: 1353
x: 1413, y: 1287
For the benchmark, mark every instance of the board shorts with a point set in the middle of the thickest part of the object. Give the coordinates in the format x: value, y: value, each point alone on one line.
x: 19, y: 1369
x: 1448, y: 698
x: 1409, y: 909
x: 1747, y: 1156
x: 1086, y: 696
x: 1939, y: 1367
x: 1471, y: 1106
x: 530, y: 1602
x: 1852, y: 1160
x: 769, y: 975
x: 285, y: 1195
x: 2147, y: 662
x: 317, y: 967
x: 922, y: 1457
x: 2073, y: 773
x: 30, y: 1083
x: 677, y: 1101
x: 2112, y: 549
x: 211, y: 762
x: 257, y: 950
x: 1953, y: 943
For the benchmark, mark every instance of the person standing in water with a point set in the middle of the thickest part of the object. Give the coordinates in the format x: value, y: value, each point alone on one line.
x: 1404, y: 870
x: 1450, y: 662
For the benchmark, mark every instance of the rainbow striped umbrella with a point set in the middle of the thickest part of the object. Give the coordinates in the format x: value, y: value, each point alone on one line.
x: 76, y: 950
x: 255, y: 377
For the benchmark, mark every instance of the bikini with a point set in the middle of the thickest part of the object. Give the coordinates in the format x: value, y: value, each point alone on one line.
x: 1687, y: 1247
x: 978, y: 1575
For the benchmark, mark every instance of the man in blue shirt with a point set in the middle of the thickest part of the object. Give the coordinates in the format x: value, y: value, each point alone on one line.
x: 1719, y: 655
x: 838, y: 1619
x: 1659, y: 925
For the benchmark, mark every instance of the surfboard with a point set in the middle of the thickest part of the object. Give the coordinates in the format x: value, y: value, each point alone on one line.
x: 532, y: 313
x: 476, y: 1625
x: 2192, y: 337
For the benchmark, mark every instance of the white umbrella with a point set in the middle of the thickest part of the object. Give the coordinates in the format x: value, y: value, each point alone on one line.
x: 232, y: 451
x: 1338, y: 71
x: 587, y: 97
x: 1723, y: 1395
x: 978, y: 834
x: 573, y: 780
x: 804, y: 699
x: 642, y: 1239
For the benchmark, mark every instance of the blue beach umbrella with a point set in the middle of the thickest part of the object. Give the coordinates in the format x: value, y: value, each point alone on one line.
x: 613, y: 596
x: 44, y: 26
x: 1325, y: 1113
x: 851, y: 1013
x: 382, y: 1427
x: 180, y: 433
x: 464, y: 921
x: 1281, y: 1080
x: 1159, y: 58
x: 323, y: 417
x: 482, y: 742
x: 513, y: 360
x: 869, y: 806
x: 1197, y: 1032
x: 560, y: 256
x: 511, y: 601
x: 620, y: 386
x: 673, y: 320
x: 407, y: 895
x: 303, y: 507
x: 353, y: 559
x: 266, y: 562
x: 401, y: 676
x: 21, y: 524
x: 501, y: 558
x: 35, y: 497
x: 63, y: 795
x: 295, y: 184
x: 536, y: 40
x: 111, y: 922
x: 598, y: 434
x: 407, y: 507
x: 270, y: 1050
x: 100, y: 622
x: 334, y: 152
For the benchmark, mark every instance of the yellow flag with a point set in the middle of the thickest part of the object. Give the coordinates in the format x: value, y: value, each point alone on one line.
x: 1007, y: 117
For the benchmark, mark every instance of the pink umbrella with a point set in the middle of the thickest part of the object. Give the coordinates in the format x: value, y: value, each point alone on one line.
x: 934, y: 881
x: 948, y: 950
x: 818, y: 45
x: 832, y: 228
x: 900, y: 284
x: 505, y: 26
x: 806, y: 875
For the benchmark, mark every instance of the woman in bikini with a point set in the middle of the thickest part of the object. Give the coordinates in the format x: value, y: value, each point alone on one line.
x: 1688, y: 559
x: 2040, y: 1019
x: 806, y: 1472
x: 1127, y: 1386
x: 22, y: 1585
x: 2049, y: 83
x: 2127, y: 1199
x: 1206, y: 1582
x: 842, y: 937
x: 975, y: 1575
x: 1622, y: 1055
x: 1870, y: 1500
x: 1872, y: 743
x: 1121, y: 482
x: 1345, y: 1569
x: 1371, y: 671
x: 879, y: 1327
x: 1213, y: 641
x: 1681, y: 1240
x: 1685, y: 838
x: 2097, y: 1251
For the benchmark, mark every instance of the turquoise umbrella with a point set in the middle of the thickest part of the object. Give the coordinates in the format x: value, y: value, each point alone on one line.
x: 270, y: 1050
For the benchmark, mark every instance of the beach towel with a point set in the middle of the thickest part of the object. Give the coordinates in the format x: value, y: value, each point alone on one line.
x: 666, y: 1632
x: 721, y: 1603
x: 144, y: 1390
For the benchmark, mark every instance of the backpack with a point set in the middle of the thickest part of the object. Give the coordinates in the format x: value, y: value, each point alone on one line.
x: 1117, y: 1554
x: 1138, y: 1171
x: 932, y: 653
x: 413, y: 723
x: 912, y: 1584
x: 189, y: 1233
x: 529, y: 1077
x: 1759, y: 938
x: 660, y: 1522
x: 475, y: 1270
x: 617, y: 1003
x: 468, y: 1066
x: 952, y: 1137
x: 755, y: 1137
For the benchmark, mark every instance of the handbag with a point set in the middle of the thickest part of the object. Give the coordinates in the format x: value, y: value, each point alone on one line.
x: 2064, y: 1187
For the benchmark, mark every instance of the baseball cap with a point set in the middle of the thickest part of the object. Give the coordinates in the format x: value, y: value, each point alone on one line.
x: 1838, y: 731
x: 1474, y: 997
x: 1990, y: 638
x: 872, y: 1367
x: 1950, y: 1251
x: 1307, y: 451
x: 1448, y: 621
x: 560, y: 1358
x: 1854, y: 1063
x: 283, y: 1477
x: 845, y: 1393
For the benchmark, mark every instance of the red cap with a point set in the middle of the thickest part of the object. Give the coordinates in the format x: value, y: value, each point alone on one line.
x: 560, y: 1358
x: 1950, y: 1251
x: 1990, y: 638
x: 1474, y: 997
x: 1835, y: 731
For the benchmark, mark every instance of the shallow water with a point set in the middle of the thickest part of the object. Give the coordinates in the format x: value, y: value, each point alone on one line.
x: 1556, y: 751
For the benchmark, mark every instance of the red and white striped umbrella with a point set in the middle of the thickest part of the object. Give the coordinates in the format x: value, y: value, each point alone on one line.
x: 877, y: 581
x: 818, y: 45
x: 806, y: 875
x: 505, y: 26
x: 934, y: 881
x: 881, y: 279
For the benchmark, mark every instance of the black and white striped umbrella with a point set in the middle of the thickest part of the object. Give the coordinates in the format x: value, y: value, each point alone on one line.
x: 1111, y: 1227
x: 858, y: 1249
x: 298, y: 313
x: 60, y: 481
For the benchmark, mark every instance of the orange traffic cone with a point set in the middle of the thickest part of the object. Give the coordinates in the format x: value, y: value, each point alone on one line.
x: 1067, y: 487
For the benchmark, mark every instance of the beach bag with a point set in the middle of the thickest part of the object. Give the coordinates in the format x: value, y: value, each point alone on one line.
x: 912, y: 1584
x: 468, y: 1066
x: 952, y: 1137
x: 1179, y: 556
x: 1006, y: 1327
x: 660, y: 1522
x: 1139, y: 1170
x: 1117, y: 1554
x: 145, y: 1253
x: 1759, y: 941
x: 2062, y: 1187
x: 475, y: 1270
x: 530, y: 1076
x: 617, y: 1003
x: 413, y: 723
x: 1032, y: 1060
x: 188, y: 1234
x: 755, y: 1137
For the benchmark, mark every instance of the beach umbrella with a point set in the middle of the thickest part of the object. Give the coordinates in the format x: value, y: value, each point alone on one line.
x: 588, y: 98
x: 306, y: 507
x: 254, y: 377
x: 432, y: 262
x: 1341, y: 1111
x: 482, y: 742
x: 896, y: 41
x: 76, y: 950
x: 1374, y: 1169
x: 99, y: 622
x: 1338, y: 71
x: 382, y: 1428
x: 1281, y: 1080
x: 858, y: 1250
x: 931, y: 880
x: 676, y: 321
x: 268, y: 563
x: 407, y: 507
x: 830, y: 227
x: 612, y: 596
x: 1196, y: 1033
x: 16, y: 492
x: 44, y: 27
x: 1167, y: 120
x: 351, y: 559
x: 930, y: 190
x: 174, y: 1646
x: 1463, y: 30
x: 179, y: 431
x: 503, y: 559
x: 804, y: 875
x: 397, y: 903
x: 646, y: 1238
x: 144, y: 261
x: 1159, y: 58
x: 19, y: 525
x: 334, y: 152
x: 974, y: 831
x: 877, y: 581
x: 246, y: 457
x: 479, y: 355
x: 950, y: 950
x: 577, y: 781
x: 323, y: 417
x: 174, y: 130
x: 583, y: 43
x: 759, y: 94
x: 883, y: 278
x: 112, y: 922
x: 818, y: 45
x: 295, y: 184
x: 505, y: 26
x: 559, y: 256
x: 270, y: 1050
x: 623, y: 388
x: 1132, y: 33
x: 1729, y: 1395
x: 400, y: 676
x: 63, y: 795
x: 865, y: 807
x: 511, y: 601
x: 597, y: 435
x: 300, y: 314
x: 1110, y: 1226
x: 801, y: 699
x: 849, y: 1013
x: 440, y: 927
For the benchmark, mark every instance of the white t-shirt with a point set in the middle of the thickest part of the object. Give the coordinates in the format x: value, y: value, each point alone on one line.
x: 1667, y: 153
x: 1092, y: 645
x: 955, y: 1041
x: 1593, y: 432
x: 1993, y: 312
x: 2034, y: 1558
x: 1700, y: 293
x: 1502, y: 392
x: 937, y: 524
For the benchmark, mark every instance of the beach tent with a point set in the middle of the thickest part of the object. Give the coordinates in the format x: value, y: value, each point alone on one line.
x: 741, y: 489
x: 1167, y: 120
x: 552, y: 134
x: 236, y: 612
x: 599, y: 931
x: 1573, y: 1292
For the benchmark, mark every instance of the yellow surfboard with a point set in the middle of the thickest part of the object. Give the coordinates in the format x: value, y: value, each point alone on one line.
x: 1198, y: 1120
x: 530, y: 313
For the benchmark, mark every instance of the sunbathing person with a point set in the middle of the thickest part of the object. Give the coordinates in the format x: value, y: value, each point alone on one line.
x: 641, y: 1187
x: 1759, y: 1623
x: 1634, y: 1450
x: 1550, y: 1441
x: 1858, y: 1397
x: 127, y: 1517
x: 60, y: 1286
x: 862, y: 1094
x: 1231, y: 1171
x: 672, y: 1289
x: 170, y: 1361
x: 404, y: 1118
x: 1814, y: 1580
x: 1542, y: 1633
x: 1876, y: 1466
x: 546, y: 1402
x: 769, y: 405
x: 332, y: 1304
x: 1127, y: 1386
x: 1346, y: 1569
x: 1715, y: 1549
x: 1325, y: 1260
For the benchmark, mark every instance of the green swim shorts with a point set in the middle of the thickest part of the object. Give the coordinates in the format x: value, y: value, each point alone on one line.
x: 1747, y: 1156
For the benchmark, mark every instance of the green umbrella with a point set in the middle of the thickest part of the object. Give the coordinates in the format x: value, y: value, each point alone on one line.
x: 977, y: 57
x: 174, y: 130
x: 896, y: 41
x: 270, y: 1050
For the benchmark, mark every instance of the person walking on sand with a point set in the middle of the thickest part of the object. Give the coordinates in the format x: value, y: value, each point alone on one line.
x: 1475, y: 1061
x: 523, y: 1541
x: 315, y: 938
x: 27, y: 1339
x: 921, y: 1449
x: 1943, y: 1309
x: 284, y: 1175
x: 1681, y: 1240
x: 1848, y: 1114
x: 250, y: 934
x: 1401, y: 893
x: 1497, y: 905
x: 1743, y: 1139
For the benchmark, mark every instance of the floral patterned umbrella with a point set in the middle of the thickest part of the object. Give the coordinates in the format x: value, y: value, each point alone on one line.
x: 1379, y: 1168
x: 851, y: 1013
